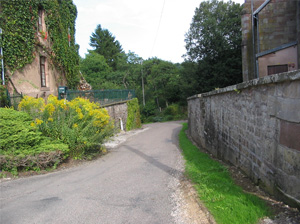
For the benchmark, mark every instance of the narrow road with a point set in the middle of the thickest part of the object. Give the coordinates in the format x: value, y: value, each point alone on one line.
x: 135, y: 182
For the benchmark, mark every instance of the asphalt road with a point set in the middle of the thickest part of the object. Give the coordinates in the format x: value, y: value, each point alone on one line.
x: 134, y: 183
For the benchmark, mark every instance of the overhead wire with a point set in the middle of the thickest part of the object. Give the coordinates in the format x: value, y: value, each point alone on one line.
x: 162, y: 10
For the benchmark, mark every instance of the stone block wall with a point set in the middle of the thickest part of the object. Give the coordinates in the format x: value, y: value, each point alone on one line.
x: 277, y: 24
x: 255, y: 126
x: 118, y: 112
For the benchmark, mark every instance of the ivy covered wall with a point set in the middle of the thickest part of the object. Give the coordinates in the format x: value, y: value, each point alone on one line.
x: 19, y: 23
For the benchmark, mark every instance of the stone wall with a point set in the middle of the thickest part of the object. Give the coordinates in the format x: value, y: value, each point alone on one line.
x: 117, y: 112
x: 255, y: 126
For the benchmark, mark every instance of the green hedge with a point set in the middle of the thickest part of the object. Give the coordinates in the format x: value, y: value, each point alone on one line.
x: 133, y: 115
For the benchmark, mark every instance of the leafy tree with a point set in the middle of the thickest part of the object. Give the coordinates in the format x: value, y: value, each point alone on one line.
x: 164, y: 79
x: 133, y: 58
x: 214, y: 42
x: 189, y: 80
x: 131, y: 68
x: 123, y: 72
x: 101, y: 76
x: 161, y: 81
x: 106, y: 44
x: 95, y: 69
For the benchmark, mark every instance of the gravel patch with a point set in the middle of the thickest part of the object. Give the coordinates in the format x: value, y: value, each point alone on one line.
x: 121, y: 137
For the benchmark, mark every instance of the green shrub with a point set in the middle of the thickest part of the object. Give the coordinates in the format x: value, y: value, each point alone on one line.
x: 172, y: 110
x: 21, y: 143
x: 171, y: 113
x: 168, y: 118
x: 149, y: 109
x: 133, y: 115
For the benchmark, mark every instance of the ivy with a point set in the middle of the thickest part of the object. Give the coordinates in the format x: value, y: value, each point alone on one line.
x: 18, y: 20
x: 18, y: 40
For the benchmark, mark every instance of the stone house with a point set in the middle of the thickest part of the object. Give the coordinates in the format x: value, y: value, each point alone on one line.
x: 40, y: 78
x: 270, y: 37
x: 39, y: 48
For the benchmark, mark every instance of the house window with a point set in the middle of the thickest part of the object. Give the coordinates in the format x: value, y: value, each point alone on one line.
x: 42, y: 70
x: 275, y: 69
x: 40, y: 21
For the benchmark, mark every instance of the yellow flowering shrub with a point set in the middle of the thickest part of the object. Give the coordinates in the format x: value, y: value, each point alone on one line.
x: 79, y: 123
x: 89, y: 111
x: 52, y: 100
x: 38, y: 121
x: 31, y: 105
x: 49, y: 109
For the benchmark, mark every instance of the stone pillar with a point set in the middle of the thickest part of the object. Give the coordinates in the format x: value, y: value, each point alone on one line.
x: 247, y: 43
x: 247, y: 40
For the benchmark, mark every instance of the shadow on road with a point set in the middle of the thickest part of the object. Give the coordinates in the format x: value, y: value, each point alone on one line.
x: 169, y: 170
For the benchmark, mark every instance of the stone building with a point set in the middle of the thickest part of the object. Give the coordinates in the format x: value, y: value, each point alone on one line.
x: 39, y: 49
x: 39, y: 78
x: 270, y: 37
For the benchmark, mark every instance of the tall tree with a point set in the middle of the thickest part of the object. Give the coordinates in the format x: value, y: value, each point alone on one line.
x: 214, y: 42
x: 105, y: 43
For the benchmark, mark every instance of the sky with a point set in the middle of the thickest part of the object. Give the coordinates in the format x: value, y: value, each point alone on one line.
x: 149, y: 28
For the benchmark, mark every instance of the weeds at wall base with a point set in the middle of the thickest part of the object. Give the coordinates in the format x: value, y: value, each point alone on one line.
x: 226, y: 201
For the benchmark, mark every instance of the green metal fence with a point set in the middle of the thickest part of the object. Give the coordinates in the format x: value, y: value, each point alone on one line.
x: 103, y: 97
x: 14, y: 100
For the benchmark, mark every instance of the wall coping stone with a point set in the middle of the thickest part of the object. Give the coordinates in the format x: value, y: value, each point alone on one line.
x: 277, y: 78
x: 115, y: 103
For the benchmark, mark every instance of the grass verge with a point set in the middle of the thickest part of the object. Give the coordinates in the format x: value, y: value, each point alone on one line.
x: 225, y: 200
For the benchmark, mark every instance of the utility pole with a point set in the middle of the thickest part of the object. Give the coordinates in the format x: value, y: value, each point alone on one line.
x: 143, y: 83
x: 2, y: 62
